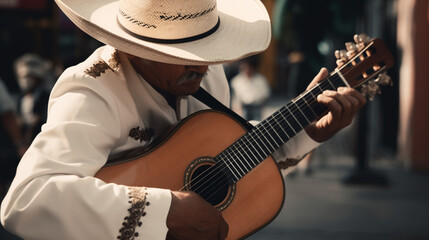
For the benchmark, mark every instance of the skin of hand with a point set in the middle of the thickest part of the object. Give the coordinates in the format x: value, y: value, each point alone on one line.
x: 191, y: 217
x: 342, y: 104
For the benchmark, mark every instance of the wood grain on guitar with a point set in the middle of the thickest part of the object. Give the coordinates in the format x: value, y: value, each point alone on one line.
x: 213, y: 155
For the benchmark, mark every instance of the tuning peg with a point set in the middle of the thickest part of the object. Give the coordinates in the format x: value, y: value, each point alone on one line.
x: 351, y: 47
x: 384, y: 79
x: 361, y: 40
x: 341, y: 56
x: 337, y: 54
x: 370, y: 89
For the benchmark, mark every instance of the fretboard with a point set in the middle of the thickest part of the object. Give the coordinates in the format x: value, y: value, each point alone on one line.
x: 266, y: 137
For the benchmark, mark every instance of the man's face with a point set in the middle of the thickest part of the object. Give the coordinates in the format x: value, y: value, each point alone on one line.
x: 178, y: 80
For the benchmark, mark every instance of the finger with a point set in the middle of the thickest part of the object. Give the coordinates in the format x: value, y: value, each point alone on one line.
x: 354, y: 96
x: 348, y: 102
x: 345, y: 113
x: 323, y: 73
x: 333, y: 106
x: 359, y: 96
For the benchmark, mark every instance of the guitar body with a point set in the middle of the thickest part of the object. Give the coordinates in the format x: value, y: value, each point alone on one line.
x: 252, y: 202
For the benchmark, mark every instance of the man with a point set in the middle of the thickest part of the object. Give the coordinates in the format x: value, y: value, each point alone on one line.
x: 250, y: 88
x: 122, y: 97
x: 33, y: 75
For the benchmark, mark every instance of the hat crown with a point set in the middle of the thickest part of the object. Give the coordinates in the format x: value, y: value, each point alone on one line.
x: 168, y: 19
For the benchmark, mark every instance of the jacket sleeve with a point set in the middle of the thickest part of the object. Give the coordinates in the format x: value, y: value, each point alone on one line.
x: 54, y: 194
x: 290, y: 154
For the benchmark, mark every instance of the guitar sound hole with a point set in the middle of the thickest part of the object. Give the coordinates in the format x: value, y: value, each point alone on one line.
x: 210, y: 183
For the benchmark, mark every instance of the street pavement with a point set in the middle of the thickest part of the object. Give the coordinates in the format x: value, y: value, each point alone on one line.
x: 321, y: 206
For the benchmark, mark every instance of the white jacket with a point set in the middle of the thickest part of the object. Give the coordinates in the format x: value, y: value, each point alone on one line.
x: 92, y: 109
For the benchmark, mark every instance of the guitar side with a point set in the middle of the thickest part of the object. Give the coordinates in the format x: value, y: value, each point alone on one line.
x: 258, y: 197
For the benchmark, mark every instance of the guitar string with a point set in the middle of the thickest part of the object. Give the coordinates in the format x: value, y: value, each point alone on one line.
x: 297, y: 107
x: 235, y: 160
x: 223, y: 182
x: 302, y: 96
x: 217, y: 167
x: 303, y: 114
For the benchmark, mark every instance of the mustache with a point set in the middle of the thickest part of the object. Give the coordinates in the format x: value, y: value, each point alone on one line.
x: 189, y: 77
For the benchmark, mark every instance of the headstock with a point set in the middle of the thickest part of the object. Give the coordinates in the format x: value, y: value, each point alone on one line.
x: 364, y: 63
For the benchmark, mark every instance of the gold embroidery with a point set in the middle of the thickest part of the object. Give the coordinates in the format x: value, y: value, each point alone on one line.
x: 144, y: 134
x: 289, y: 162
x: 138, y: 202
x: 97, y: 69
x: 114, y: 61
x: 101, y: 67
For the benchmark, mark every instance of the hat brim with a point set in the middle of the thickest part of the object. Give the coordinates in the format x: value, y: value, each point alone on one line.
x: 244, y: 30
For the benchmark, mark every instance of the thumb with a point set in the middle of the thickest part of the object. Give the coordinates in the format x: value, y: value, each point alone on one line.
x: 323, y: 73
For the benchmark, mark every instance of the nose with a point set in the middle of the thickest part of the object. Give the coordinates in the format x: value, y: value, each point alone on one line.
x: 199, y: 69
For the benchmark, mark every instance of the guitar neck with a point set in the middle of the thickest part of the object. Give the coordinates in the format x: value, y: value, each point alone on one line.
x: 255, y: 146
x: 363, y: 61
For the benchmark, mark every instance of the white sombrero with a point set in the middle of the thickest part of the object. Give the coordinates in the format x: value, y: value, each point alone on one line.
x: 186, y: 32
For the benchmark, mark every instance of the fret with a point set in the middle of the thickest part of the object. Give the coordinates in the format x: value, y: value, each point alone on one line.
x: 248, y: 146
x: 266, y: 126
x: 260, y: 142
x: 287, y: 137
x: 276, y: 132
x: 282, y: 115
x: 239, y: 160
x: 321, y: 89
x: 319, y: 109
x: 283, y: 123
x: 263, y: 135
x: 340, y: 82
x: 248, y: 151
x: 329, y: 81
x: 241, y: 150
x: 308, y: 121
x: 232, y: 161
x: 309, y: 106
x: 344, y: 81
x: 296, y: 120
x: 257, y: 145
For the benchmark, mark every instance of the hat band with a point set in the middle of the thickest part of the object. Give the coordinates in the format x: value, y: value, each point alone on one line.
x: 172, y: 41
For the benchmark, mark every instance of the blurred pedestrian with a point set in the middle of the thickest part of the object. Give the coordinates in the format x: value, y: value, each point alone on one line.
x: 34, y: 75
x: 250, y: 89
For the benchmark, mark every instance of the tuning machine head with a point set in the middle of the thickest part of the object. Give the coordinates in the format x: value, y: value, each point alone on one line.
x: 341, y: 56
x: 372, y: 87
x: 361, y: 40
x: 351, y: 48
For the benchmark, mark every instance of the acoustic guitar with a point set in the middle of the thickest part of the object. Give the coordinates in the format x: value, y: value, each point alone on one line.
x: 213, y: 155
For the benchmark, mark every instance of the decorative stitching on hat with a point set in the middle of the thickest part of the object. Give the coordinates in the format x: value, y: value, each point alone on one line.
x: 137, y: 196
x: 179, y: 16
x: 135, y: 21
x: 98, y: 68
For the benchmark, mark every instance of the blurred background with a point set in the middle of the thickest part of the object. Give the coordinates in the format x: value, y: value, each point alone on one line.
x: 370, y: 181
